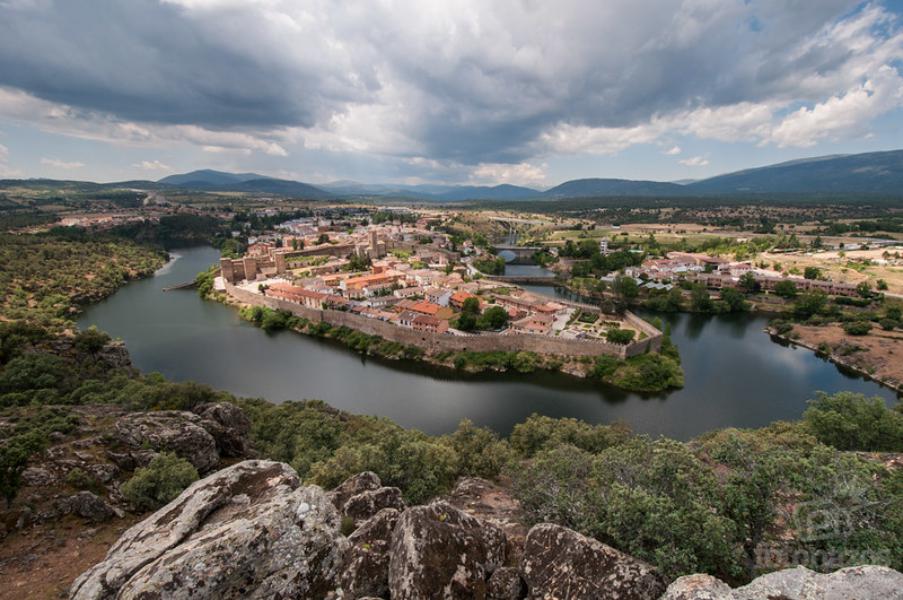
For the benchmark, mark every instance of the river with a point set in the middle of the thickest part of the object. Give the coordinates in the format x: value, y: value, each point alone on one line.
x: 735, y: 375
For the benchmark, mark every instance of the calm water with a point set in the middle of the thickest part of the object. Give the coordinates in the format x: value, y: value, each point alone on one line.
x: 735, y: 375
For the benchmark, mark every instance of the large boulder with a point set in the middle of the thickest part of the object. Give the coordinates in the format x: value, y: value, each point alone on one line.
x: 862, y: 583
x: 145, y: 434
x: 228, y: 425
x: 89, y: 506
x: 365, y: 571
x: 354, y: 485
x: 247, y: 531
x: 361, y: 507
x: 438, y: 551
x: 561, y: 563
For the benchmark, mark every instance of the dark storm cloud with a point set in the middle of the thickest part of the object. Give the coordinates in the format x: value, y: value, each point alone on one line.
x: 146, y: 61
x: 467, y: 82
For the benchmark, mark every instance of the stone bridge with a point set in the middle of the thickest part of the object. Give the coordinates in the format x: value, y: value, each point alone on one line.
x: 516, y: 255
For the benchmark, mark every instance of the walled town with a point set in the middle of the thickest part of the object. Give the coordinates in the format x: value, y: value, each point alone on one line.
x: 427, y: 289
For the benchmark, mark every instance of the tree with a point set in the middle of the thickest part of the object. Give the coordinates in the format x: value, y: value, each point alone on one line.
x: 748, y: 283
x: 625, y: 288
x: 881, y: 285
x: 91, y: 340
x: 494, y: 317
x: 785, y: 289
x: 812, y: 273
x: 810, y: 304
x: 471, y: 305
x: 850, y: 421
x: 735, y: 301
x: 700, y: 299
x: 466, y: 322
x: 620, y: 336
x: 864, y: 289
x: 323, y: 239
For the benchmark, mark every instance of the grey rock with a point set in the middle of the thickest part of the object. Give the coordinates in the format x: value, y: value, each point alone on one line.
x: 698, y: 587
x: 247, y: 531
x: 37, y: 476
x: 228, y: 425
x: 167, y: 431
x: 561, y: 563
x: 365, y: 570
x: 860, y: 583
x: 506, y: 584
x: 438, y: 551
x: 354, y: 485
x: 89, y: 506
x: 361, y: 507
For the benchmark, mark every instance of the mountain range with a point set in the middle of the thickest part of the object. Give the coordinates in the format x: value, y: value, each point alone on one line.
x: 874, y: 173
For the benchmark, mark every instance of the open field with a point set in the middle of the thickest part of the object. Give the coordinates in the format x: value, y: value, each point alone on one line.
x: 880, y: 353
x: 854, y: 266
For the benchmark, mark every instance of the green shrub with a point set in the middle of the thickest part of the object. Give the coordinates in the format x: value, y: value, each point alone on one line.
x: 479, y: 450
x: 851, y: 421
x: 619, y: 336
x: 857, y: 327
x: 82, y: 480
x: 160, y: 482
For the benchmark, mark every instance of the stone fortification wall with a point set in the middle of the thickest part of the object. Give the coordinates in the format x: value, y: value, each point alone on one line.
x: 437, y: 342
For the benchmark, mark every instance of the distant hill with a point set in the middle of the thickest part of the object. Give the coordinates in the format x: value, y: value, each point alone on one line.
x: 209, y: 177
x: 210, y: 180
x: 504, y: 191
x: 580, y: 188
x: 868, y: 173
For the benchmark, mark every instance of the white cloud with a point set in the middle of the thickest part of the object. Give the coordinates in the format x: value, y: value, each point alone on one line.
x: 516, y: 174
x: 695, y: 161
x: 152, y: 165
x: 672, y: 151
x: 5, y: 170
x: 62, y: 164
x: 844, y: 115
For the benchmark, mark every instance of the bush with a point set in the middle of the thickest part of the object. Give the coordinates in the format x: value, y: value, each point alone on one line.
x: 620, y: 336
x: 851, y: 421
x: 160, y: 482
x: 857, y: 327
x: 479, y: 450
x: 540, y: 432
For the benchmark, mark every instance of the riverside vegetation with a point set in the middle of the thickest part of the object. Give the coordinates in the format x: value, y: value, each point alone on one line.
x: 705, y: 505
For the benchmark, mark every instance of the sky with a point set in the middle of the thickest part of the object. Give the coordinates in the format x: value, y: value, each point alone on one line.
x: 526, y: 92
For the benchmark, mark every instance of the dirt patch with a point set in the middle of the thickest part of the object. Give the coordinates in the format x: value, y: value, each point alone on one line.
x: 878, y: 354
x: 43, y: 561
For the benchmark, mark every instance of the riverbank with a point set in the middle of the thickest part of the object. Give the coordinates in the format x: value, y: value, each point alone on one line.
x: 650, y: 372
x: 876, y: 356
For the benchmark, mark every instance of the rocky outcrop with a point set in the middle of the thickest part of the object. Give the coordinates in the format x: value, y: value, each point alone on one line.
x: 228, y: 425
x: 506, y: 584
x: 438, y: 551
x: 861, y: 583
x: 494, y: 504
x: 561, y: 563
x: 144, y: 435
x: 89, y: 506
x: 356, y: 484
x: 361, y: 507
x: 253, y: 531
x: 213, y: 431
x: 247, y: 531
x: 365, y: 571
